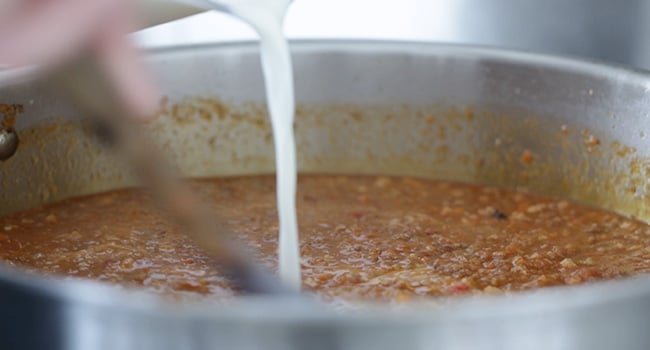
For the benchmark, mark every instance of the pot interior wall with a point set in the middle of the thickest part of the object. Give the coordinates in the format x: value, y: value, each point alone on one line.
x: 552, y: 126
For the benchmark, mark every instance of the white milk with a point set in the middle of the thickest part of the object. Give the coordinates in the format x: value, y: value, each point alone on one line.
x: 267, y: 17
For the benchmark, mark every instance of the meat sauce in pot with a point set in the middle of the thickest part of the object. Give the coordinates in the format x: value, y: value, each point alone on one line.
x: 369, y: 237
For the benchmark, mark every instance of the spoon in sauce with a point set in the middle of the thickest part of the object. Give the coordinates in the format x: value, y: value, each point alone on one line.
x: 86, y: 84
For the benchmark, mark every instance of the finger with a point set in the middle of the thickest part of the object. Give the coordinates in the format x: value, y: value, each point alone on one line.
x: 123, y: 64
x: 45, y: 32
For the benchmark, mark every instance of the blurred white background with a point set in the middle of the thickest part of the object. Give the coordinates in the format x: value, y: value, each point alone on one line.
x: 370, y: 19
x: 615, y: 31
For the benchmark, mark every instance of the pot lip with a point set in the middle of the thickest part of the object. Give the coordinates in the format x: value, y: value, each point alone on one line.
x: 308, y: 310
x: 279, y: 310
x: 427, y: 48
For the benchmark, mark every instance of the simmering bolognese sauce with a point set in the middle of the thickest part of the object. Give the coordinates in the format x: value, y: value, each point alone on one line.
x: 361, y: 237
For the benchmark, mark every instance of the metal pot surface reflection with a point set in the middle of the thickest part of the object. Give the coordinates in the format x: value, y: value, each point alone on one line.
x: 216, y: 93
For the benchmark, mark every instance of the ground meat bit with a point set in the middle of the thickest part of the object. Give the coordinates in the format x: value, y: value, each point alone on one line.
x: 498, y: 214
x: 361, y: 237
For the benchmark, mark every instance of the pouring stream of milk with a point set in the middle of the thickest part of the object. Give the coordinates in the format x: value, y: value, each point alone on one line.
x: 267, y: 17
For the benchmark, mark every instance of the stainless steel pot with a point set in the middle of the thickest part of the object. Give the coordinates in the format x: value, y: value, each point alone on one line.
x: 394, y: 108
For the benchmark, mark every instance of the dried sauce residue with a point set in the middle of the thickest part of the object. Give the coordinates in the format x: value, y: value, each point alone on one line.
x: 9, y: 114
